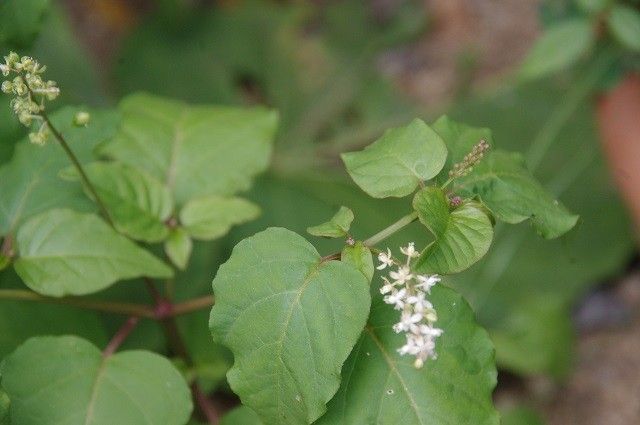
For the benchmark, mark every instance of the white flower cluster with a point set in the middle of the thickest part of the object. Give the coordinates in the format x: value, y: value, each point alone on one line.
x: 30, y: 92
x: 407, y: 292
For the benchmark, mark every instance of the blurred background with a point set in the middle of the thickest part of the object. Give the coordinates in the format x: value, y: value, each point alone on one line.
x: 563, y: 314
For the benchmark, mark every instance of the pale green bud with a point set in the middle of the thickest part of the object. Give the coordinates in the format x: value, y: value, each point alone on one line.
x: 7, y: 87
x: 39, y: 138
x: 81, y: 119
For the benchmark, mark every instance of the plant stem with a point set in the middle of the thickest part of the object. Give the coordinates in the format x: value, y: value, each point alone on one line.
x: 129, y: 309
x: 78, y: 166
x: 192, y: 305
x: 120, y: 336
x: 566, y: 109
x: 385, y: 233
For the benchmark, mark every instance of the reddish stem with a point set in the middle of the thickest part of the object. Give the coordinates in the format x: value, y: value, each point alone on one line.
x: 120, y: 336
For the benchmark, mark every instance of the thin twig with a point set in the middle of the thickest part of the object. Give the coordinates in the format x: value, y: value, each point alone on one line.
x: 120, y: 336
x: 204, y: 404
x: 192, y: 305
x: 78, y: 166
x: 129, y: 309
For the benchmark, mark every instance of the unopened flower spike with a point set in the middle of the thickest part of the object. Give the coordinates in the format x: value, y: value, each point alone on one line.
x: 30, y: 92
x: 464, y: 167
x: 407, y: 291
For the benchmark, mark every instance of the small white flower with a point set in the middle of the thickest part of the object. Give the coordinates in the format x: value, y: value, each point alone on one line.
x: 385, y: 259
x: 402, y: 275
x: 410, y: 250
x: 397, y: 298
x: 5, y: 70
x: 419, y: 302
x: 387, y: 287
x: 430, y: 331
x: 408, y: 322
x: 426, y: 282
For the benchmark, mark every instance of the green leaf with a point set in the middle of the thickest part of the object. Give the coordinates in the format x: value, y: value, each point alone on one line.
x: 624, y: 23
x: 178, y: 247
x: 196, y: 151
x: 379, y: 386
x: 539, y: 324
x: 289, y: 318
x: 507, y: 188
x: 359, y: 256
x: 20, y: 21
x: 137, y: 203
x: 241, y: 416
x: 560, y: 46
x: 66, y: 380
x: 337, y: 227
x: 593, y: 6
x: 395, y: 164
x: 460, y: 140
x: 212, y: 217
x: 29, y: 184
x: 5, y: 404
x: 462, y: 236
x: 62, y: 252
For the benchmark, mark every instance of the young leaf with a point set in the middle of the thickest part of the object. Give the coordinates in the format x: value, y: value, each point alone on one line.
x: 290, y: 318
x: 66, y: 380
x: 395, y: 164
x: 560, y: 46
x: 241, y: 416
x: 359, y: 256
x: 29, y: 184
x: 178, y: 247
x: 460, y: 140
x: 462, y: 236
x: 337, y: 227
x: 62, y: 252
x: 195, y: 150
x: 137, y: 203
x: 379, y: 386
x: 624, y: 23
x: 503, y: 183
x: 212, y: 217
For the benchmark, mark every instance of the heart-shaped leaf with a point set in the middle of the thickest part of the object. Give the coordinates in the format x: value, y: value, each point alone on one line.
x: 195, y: 150
x: 395, y: 164
x: 462, y: 236
x: 137, y: 203
x: 67, y: 381
x: 507, y: 188
x: 379, y: 386
x: 290, y: 319
x: 62, y: 252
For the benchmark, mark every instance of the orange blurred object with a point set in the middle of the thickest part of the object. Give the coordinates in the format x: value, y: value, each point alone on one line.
x: 619, y: 122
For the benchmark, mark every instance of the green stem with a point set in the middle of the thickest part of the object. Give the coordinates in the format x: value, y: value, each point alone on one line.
x: 78, y: 166
x: 192, y: 305
x: 388, y: 231
x: 129, y: 309
x: 571, y: 102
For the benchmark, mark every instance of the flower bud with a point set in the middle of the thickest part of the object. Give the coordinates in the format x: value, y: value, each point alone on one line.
x: 81, y: 119
x: 7, y: 87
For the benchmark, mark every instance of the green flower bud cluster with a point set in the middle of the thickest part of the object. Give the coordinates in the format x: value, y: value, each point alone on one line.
x: 30, y: 92
x: 464, y: 167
